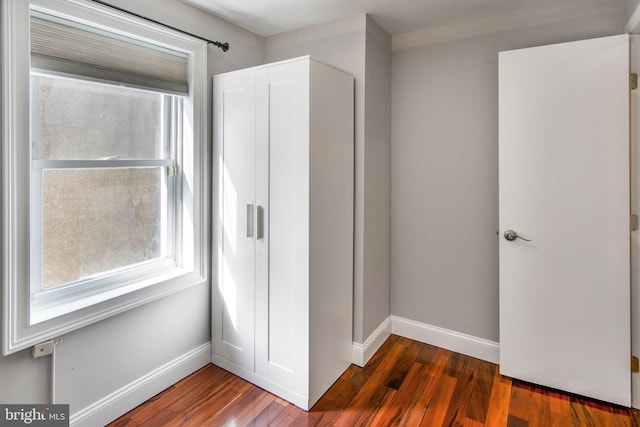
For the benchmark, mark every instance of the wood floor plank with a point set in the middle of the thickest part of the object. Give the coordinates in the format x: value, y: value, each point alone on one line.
x: 405, y: 383
x: 520, y: 402
x: 414, y: 414
x: 407, y: 393
x: 468, y: 422
x: 200, y: 415
x: 499, y: 401
x: 540, y: 411
x: 195, y: 383
x: 164, y: 417
x: 464, y: 369
x: 124, y: 422
x: 438, y: 405
x: 288, y: 417
x: 367, y: 404
x: 390, y: 416
x: 427, y: 353
x: 201, y: 391
x: 581, y: 415
x: 635, y: 417
x: 244, y: 409
x: 371, y: 390
x: 264, y: 418
x: 380, y: 403
x: 330, y: 407
x: 431, y: 374
x: 401, y: 368
x: 560, y: 408
x: 514, y: 421
x: 342, y: 391
x: 414, y: 387
x: 479, y: 403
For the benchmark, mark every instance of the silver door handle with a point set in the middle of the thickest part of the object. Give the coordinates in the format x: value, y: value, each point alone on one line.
x: 260, y: 223
x: 511, y: 235
x: 249, y: 220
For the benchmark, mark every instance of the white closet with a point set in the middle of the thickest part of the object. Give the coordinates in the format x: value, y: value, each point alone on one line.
x: 283, y: 226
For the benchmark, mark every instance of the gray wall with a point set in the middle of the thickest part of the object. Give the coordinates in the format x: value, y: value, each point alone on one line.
x: 359, y: 46
x: 444, y: 203
x: 377, y: 177
x: 100, y: 359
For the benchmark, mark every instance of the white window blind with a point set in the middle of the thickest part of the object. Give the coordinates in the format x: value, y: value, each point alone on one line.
x: 71, y: 48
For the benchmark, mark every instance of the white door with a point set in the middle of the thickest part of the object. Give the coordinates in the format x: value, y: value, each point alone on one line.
x: 234, y: 165
x: 282, y: 153
x: 564, y: 185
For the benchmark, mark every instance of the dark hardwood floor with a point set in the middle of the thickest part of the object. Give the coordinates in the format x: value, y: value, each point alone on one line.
x: 406, y: 383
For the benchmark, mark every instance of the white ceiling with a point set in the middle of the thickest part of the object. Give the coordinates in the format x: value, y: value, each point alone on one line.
x: 268, y: 17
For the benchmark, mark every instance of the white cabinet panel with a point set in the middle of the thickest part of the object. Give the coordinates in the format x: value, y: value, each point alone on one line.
x: 276, y: 112
x: 303, y: 158
x: 234, y: 294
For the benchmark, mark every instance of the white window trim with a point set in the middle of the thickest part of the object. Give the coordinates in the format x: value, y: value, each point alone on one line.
x: 17, y: 333
x: 87, y: 291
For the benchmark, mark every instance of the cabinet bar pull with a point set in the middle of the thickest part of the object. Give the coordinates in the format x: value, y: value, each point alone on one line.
x: 260, y: 222
x: 249, y: 220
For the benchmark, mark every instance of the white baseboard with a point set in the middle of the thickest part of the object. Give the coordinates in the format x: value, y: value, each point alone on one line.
x: 440, y: 337
x: 451, y: 340
x: 133, y: 394
x: 363, y: 352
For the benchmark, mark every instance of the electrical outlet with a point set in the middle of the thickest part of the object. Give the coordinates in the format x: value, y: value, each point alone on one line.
x: 42, y: 349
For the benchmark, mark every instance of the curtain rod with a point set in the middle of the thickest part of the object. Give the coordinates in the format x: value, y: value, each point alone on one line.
x: 224, y: 46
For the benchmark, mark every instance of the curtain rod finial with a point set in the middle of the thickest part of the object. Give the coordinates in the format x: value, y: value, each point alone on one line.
x: 224, y: 46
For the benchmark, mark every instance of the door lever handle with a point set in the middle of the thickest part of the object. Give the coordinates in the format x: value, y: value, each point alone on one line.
x: 511, y: 235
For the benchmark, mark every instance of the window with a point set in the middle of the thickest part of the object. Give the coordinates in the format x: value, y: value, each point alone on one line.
x: 104, y: 166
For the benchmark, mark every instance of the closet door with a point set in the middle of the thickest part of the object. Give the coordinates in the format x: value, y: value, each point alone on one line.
x: 234, y: 177
x: 282, y: 196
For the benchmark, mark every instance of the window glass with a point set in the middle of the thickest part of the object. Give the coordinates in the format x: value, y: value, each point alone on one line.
x: 97, y: 220
x: 80, y: 119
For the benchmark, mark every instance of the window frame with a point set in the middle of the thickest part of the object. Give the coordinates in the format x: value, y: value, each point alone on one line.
x: 53, y: 318
x: 50, y: 302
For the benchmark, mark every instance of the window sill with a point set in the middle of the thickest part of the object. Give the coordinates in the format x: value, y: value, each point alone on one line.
x: 42, y: 311
x: 112, y: 303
